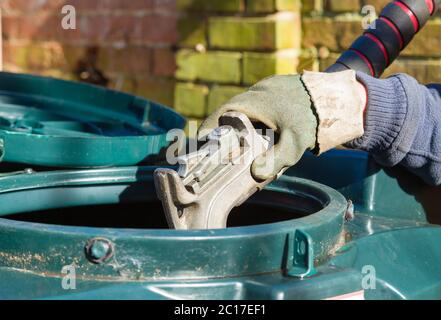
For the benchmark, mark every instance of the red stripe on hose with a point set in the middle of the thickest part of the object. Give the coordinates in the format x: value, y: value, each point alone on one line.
x: 365, y: 60
x: 380, y: 45
x: 395, y: 29
x: 430, y: 6
x: 409, y: 13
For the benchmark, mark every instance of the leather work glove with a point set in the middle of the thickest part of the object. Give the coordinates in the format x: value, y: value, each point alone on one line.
x: 315, y: 111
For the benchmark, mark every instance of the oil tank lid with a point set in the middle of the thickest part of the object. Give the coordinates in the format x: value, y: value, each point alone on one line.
x: 57, y: 123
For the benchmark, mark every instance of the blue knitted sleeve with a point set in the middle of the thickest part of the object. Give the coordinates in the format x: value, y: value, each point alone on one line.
x: 403, y: 125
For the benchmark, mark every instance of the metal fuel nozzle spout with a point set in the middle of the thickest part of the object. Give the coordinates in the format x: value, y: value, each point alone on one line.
x: 213, y: 180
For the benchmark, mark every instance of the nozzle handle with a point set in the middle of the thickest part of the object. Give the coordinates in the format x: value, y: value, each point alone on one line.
x: 386, y: 37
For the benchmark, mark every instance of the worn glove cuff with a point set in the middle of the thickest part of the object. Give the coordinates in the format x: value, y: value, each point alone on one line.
x: 385, y: 118
x: 339, y: 101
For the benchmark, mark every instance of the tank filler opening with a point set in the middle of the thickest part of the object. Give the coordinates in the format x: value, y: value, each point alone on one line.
x: 264, y: 207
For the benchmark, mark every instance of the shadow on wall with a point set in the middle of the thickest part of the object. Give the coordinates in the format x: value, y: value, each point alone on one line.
x: 87, y: 69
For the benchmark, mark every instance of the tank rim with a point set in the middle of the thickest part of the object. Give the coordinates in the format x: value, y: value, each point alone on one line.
x: 140, y: 253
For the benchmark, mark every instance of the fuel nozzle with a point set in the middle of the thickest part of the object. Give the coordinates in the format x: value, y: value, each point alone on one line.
x: 210, y: 182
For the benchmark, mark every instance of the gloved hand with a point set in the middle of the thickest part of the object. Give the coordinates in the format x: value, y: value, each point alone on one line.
x: 303, y: 110
x: 283, y: 105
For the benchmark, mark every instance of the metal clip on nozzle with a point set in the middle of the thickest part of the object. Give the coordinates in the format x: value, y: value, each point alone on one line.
x: 215, y: 179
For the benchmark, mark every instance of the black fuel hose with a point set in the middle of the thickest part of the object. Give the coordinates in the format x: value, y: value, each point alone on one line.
x: 378, y: 47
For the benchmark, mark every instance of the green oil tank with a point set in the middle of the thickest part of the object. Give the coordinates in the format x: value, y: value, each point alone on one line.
x: 79, y: 216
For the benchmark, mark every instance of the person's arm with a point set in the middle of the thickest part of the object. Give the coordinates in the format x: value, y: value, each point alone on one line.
x: 318, y: 111
x: 403, y: 125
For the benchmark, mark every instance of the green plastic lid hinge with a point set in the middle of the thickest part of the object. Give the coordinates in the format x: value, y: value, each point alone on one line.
x: 300, y: 259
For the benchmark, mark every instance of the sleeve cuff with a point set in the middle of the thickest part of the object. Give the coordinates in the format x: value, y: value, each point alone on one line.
x: 385, y: 114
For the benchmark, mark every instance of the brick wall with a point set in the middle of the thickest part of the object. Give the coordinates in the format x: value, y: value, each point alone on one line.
x: 126, y: 44
x: 226, y: 46
x: 330, y: 26
x: 194, y: 54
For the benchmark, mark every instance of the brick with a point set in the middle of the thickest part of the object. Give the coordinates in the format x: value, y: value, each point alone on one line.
x: 102, y: 28
x: 164, y: 63
x: 27, y: 6
x: 427, y: 42
x: 308, y: 60
x: 220, y: 94
x: 72, y: 55
x: 425, y: 71
x: 191, y: 127
x: 211, y: 5
x: 20, y: 56
x: 159, y: 29
x: 38, y: 56
x: 378, y: 4
x: 328, y: 61
x: 40, y: 27
x: 191, y: 99
x: 165, y: 6
x: 192, y: 31
x: 89, y: 28
x: 343, y: 5
x: 335, y: 34
x: 269, y: 6
x: 130, y: 59
x: 211, y: 66
x: 257, y: 66
x: 53, y: 73
x: 152, y: 29
x: 156, y: 89
x: 83, y: 5
x: 278, y: 31
x: 59, y: 74
x: 123, y: 82
x: 123, y: 4
x: 309, y: 6
x: 12, y: 68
